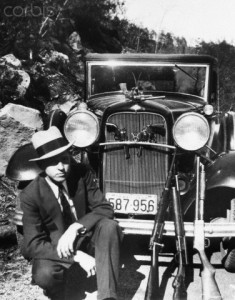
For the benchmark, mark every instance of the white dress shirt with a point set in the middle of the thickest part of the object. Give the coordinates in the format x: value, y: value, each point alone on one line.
x: 55, y: 190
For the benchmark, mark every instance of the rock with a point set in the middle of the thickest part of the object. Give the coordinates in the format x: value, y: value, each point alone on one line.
x: 9, y: 80
x: 27, y: 116
x: 71, y: 101
x: 13, y: 83
x: 24, y: 84
x: 61, y: 90
x: 11, y: 60
x: 7, y: 232
x: 17, y: 125
x: 60, y: 57
x: 52, y: 84
x: 55, y: 57
x: 74, y: 41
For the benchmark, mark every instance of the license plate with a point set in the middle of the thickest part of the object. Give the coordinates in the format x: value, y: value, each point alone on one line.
x: 133, y: 203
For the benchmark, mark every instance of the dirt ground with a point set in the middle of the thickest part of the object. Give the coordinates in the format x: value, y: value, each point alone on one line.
x: 15, y: 271
x: 15, y: 277
x: 15, y: 274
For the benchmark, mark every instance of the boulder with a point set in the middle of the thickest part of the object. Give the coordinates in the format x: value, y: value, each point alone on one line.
x: 70, y: 102
x: 55, y: 58
x: 11, y: 60
x: 13, y: 83
x: 27, y: 116
x: 61, y: 90
x: 74, y: 42
x: 17, y: 125
x: 55, y: 81
x: 24, y: 84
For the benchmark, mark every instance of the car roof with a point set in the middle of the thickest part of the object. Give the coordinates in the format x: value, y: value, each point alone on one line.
x: 149, y: 57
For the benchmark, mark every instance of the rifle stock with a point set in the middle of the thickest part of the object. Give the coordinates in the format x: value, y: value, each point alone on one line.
x: 152, y: 292
x: 210, y: 289
x: 180, y: 292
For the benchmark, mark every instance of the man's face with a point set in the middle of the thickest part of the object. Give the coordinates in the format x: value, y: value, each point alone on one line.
x: 57, y: 167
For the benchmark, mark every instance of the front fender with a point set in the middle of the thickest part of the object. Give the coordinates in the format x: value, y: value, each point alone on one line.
x: 221, y: 173
x: 19, y: 167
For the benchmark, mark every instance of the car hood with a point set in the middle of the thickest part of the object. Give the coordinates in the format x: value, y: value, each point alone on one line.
x: 167, y: 103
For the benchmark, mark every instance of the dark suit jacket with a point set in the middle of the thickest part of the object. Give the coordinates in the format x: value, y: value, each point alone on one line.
x: 43, y: 223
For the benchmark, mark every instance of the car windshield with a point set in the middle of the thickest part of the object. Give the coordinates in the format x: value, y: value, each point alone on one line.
x: 179, y: 78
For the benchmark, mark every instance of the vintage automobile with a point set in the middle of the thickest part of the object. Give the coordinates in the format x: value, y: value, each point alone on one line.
x: 140, y: 111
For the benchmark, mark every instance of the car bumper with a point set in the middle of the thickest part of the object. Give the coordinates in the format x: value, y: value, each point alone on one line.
x: 143, y: 227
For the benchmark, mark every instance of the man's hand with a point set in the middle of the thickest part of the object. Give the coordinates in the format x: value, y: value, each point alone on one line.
x: 86, y: 261
x: 65, y: 244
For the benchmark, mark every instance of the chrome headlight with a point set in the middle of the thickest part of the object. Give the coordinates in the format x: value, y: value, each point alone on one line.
x: 191, y: 131
x: 81, y: 127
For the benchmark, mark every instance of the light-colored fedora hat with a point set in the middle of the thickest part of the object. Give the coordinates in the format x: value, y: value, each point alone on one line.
x: 49, y: 143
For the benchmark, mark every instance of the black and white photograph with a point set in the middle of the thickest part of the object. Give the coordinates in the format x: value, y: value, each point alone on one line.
x: 117, y: 149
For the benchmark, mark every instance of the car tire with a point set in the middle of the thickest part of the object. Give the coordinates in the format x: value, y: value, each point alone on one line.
x: 229, y: 259
x: 227, y: 250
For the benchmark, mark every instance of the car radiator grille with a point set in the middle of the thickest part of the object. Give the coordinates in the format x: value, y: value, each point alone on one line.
x: 145, y: 174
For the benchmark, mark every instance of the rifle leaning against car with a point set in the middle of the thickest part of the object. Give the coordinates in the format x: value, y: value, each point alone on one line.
x: 210, y: 290
x: 180, y: 291
x: 155, y: 244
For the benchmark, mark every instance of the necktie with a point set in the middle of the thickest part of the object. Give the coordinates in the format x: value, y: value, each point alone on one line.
x: 67, y: 214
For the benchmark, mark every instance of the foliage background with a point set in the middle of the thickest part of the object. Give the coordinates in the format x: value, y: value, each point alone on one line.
x: 37, y: 26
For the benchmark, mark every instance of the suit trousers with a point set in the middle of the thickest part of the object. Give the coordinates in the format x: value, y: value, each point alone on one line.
x: 104, y: 245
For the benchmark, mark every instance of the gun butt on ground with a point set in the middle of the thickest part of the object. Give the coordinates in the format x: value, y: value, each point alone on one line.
x: 210, y: 289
